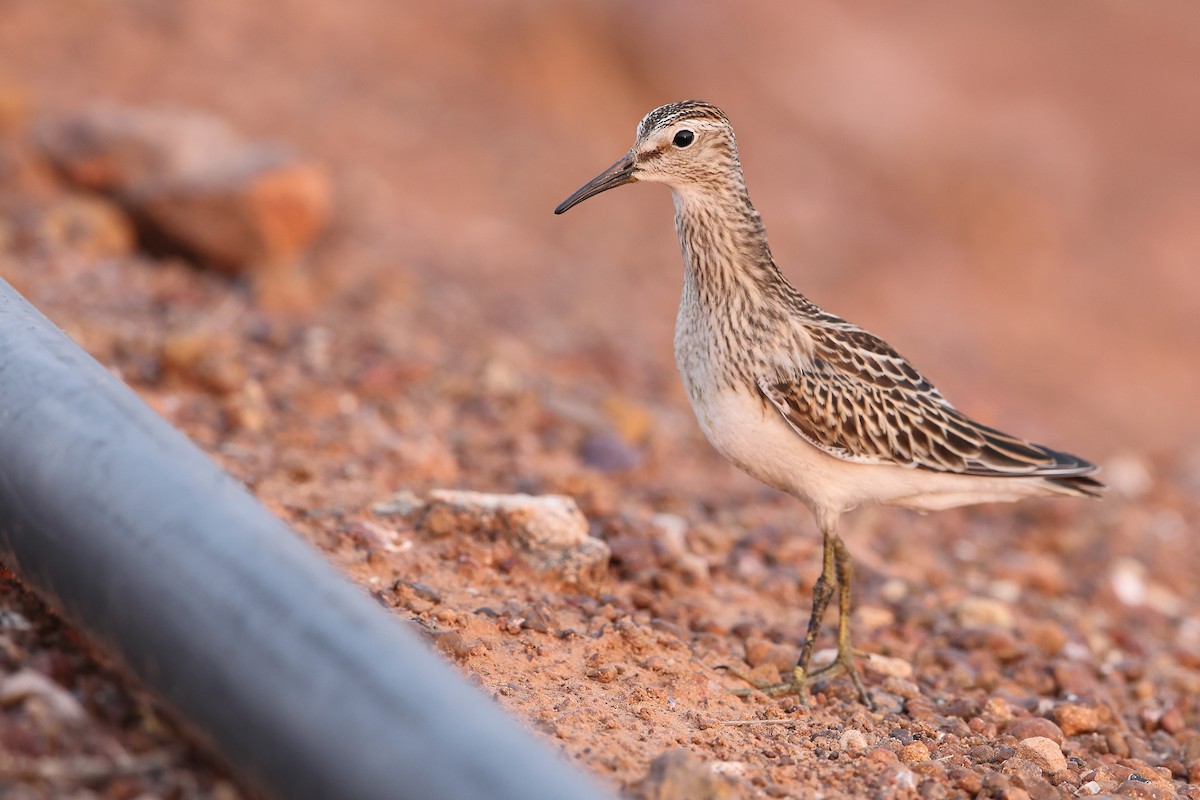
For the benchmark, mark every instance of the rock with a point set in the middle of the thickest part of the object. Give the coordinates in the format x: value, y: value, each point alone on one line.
x: 402, y: 504
x: 872, y: 617
x: 1172, y: 720
x: 27, y: 685
x: 1074, y: 719
x: 887, y: 666
x: 763, y: 651
x: 1075, y: 678
x: 1129, y: 581
x: 671, y: 531
x: 113, y: 148
x: 87, y: 224
x: 207, y: 359
x: 1136, y: 786
x: 550, y: 530
x: 263, y: 209
x: 606, y: 452
x: 914, y: 753
x: 193, y: 185
x: 1036, y: 726
x: 983, y: 612
x: 1042, y: 751
x: 852, y: 741
x: 680, y: 775
x: 1046, y: 635
x: 966, y: 781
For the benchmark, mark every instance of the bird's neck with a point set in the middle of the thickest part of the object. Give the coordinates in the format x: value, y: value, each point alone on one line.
x: 725, y: 252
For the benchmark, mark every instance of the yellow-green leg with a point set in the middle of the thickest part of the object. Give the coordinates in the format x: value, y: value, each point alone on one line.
x: 836, y: 568
x: 822, y: 592
x: 845, y: 651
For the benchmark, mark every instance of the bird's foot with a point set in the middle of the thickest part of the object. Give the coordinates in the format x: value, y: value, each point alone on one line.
x: 801, y: 680
x: 844, y: 663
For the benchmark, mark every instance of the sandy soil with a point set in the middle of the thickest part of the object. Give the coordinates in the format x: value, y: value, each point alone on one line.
x: 1007, y: 194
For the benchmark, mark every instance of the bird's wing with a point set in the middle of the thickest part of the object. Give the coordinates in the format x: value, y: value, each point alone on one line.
x: 860, y: 400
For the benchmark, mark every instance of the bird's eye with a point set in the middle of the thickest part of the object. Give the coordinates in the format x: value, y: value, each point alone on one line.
x: 683, y: 138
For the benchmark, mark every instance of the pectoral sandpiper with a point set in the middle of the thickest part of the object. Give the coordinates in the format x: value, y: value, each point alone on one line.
x: 800, y: 399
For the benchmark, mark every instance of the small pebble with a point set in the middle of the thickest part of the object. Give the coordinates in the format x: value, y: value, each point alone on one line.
x: 966, y: 781
x: 881, y: 755
x: 1044, y: 752
x: 604, y: 674
x: 983, y: 612
x: 681, y: 775
x: 1135, y: 787
x: 852, y: 741
x: 1036, y: 726
x: 1172, y: 720
x: 914, y: 753
x: 607, y: 452
x: 888, y: 666
x: 1074, y: 719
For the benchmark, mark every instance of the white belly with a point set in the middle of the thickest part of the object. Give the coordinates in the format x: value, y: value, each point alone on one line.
x: 750, y: 433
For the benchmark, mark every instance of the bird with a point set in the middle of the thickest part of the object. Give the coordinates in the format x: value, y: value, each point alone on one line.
x: 799, y: 398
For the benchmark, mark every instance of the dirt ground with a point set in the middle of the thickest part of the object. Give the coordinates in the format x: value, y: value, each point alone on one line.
x: 1007, y: 192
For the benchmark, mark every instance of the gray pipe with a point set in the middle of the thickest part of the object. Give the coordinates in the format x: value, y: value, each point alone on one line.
x: 305, y: 685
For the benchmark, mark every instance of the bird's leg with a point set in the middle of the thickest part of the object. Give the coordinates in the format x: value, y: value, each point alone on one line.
x: 845, y: 651
x: 836, y: 568
x: 822, y: 592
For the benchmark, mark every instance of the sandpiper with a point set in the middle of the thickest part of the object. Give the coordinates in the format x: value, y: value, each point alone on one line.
x: 799, y: 398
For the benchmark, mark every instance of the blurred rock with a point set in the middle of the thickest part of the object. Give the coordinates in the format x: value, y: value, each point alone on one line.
x: 680, y: 775
x: 1036, y: 726
x: 205, y: 358
x: 26, y: 684
x: 549, y: 530
x: 763, y: 651
x: 263, y: 209
x: 888, y: 666
x: 671, y: 532
x: 402, y: 504
x: 1044, y: 752
x: 852, y: 741
x: 193, y: 185
x: 1074, y: 719
x: 88, y: 224
x: 112, y: 148
x: 982, y: 612
x: 1137, y: 786
x: 606, y: 452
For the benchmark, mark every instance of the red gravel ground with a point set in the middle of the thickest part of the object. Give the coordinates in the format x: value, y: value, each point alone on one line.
x: 1006, y: 192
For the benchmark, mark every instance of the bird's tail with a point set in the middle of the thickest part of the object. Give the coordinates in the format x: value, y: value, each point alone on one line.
x: 1081, y: 485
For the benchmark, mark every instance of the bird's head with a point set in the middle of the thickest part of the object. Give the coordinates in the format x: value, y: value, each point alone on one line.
x: 684, y: 145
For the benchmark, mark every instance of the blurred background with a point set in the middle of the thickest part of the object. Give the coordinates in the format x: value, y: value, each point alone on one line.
x: 1008, y: 192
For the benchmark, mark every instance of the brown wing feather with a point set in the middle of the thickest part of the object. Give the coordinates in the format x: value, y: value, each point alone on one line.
x: 860, y: 400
